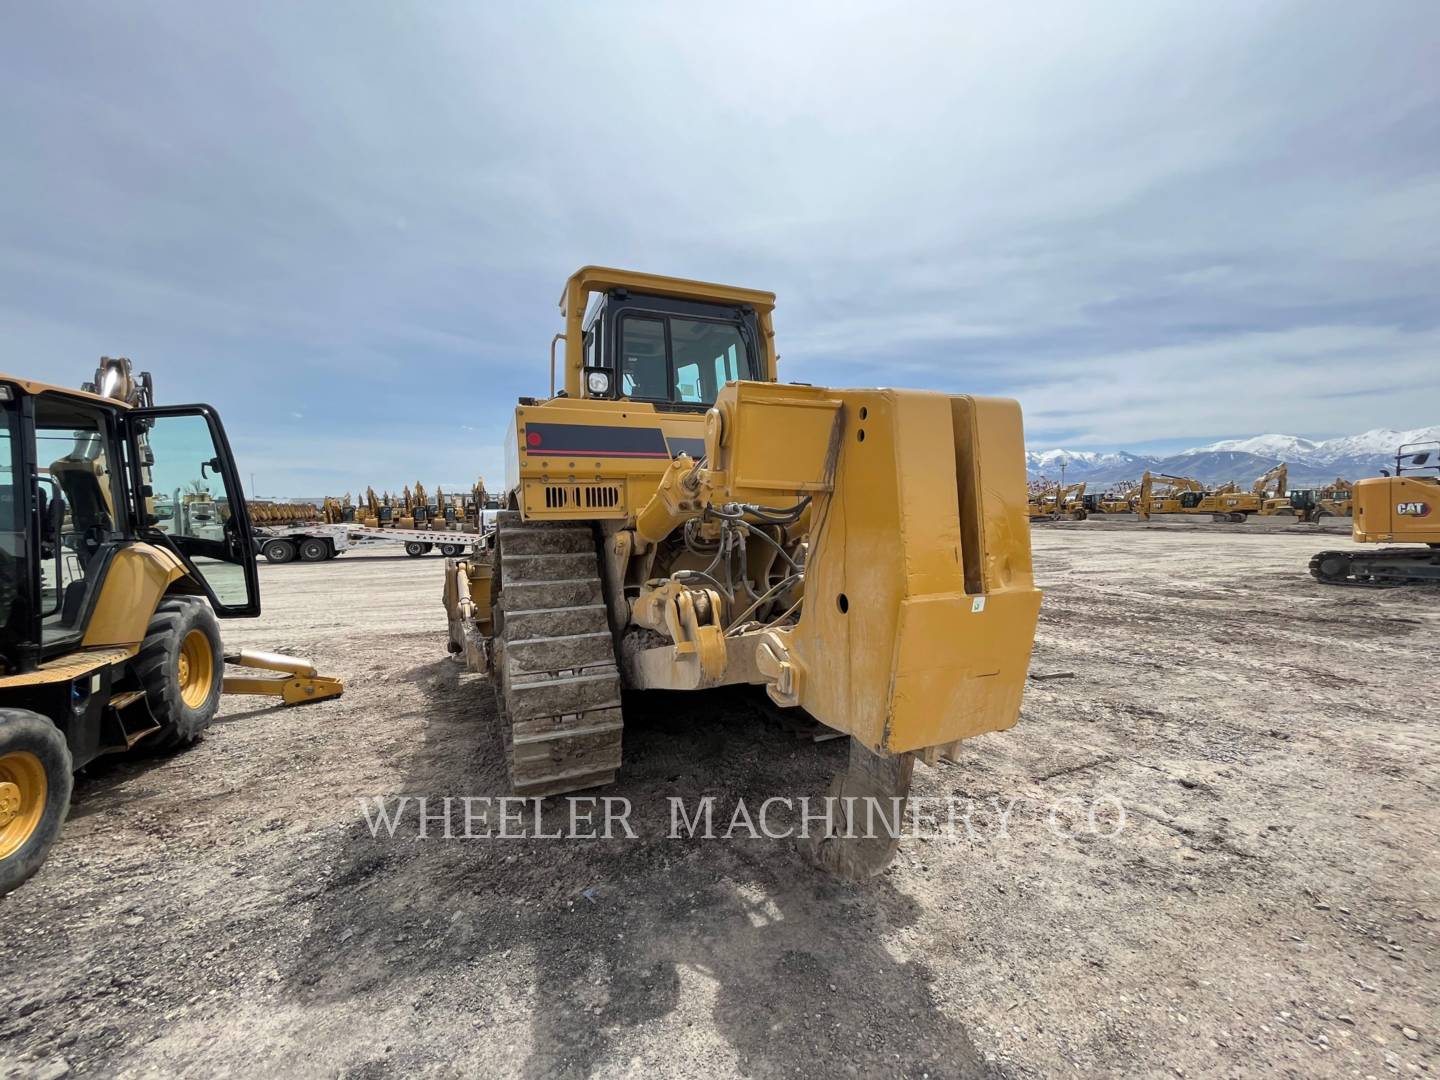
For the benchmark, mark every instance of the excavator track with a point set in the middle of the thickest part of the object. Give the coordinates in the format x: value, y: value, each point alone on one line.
x: 1385, y: 568
x: 555, y: 674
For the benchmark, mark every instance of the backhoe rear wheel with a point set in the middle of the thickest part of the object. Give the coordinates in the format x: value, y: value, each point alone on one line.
x: 181, y: 666
x: 35, y: 784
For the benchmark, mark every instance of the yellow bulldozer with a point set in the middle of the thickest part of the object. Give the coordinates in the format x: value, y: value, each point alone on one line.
x: 676, y: 518
x: 1403, y: 508
x: 108, y: 631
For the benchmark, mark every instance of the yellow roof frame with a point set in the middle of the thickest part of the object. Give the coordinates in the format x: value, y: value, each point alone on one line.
x: 593, y: 279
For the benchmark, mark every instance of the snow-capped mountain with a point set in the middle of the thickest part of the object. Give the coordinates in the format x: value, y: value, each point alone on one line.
x: 1281, y: 446
x: 1311, y: 461
x: 1051, y: 460
x: 1381, y: 441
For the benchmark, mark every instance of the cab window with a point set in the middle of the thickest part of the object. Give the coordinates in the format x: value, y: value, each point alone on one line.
x: 80, y: 502
x: 12, y: 529
x: 644, y: 372
x: 677, y: 359
x: 707, y: 355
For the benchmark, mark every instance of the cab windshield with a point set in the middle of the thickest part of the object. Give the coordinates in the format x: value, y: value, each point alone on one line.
x: 677, y: 359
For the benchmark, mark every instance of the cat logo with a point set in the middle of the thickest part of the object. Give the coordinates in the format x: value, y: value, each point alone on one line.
x: 1412, y: 509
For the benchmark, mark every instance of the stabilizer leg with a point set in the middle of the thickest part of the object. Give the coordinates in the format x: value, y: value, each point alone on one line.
x: 305, y: 683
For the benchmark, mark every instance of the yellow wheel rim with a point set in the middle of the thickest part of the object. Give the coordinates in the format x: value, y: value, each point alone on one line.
x: 196, y: 669
x: 23, y: 789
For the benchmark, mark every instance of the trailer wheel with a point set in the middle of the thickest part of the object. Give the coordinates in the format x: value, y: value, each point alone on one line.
x: 181, y: 665
x: 278, y: 551
x: 414, y: 548
x: 452, y: 551
x: 314, y: 550
x: 36, y: 778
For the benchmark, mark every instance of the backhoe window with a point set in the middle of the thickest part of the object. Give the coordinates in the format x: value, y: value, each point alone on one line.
x: 192, y: 504
x: 80, y: 504
x: 12, y: 531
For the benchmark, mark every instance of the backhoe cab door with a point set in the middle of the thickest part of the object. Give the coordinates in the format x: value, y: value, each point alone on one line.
x: 191, y: 502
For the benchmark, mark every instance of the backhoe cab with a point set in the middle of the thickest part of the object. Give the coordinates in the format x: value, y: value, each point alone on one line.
x: 677, y: 519
x: 123, y: 534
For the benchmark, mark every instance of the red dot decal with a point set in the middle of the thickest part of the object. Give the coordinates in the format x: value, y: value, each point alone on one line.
x: 533, y: 438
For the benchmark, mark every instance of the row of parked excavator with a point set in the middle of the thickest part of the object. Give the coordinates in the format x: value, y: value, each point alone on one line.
x: 1402, y: 507
x: 1162, y: 493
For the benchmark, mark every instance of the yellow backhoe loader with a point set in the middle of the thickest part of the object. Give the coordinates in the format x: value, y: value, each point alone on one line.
x: 1070, y: 501
x: 677, y: 519
x: 1052, y: 502
x: 108, y: 632
x: 1316, y: 505
x: 1401, y: 508
x: 1115, y: 501
x: 1040, y: 501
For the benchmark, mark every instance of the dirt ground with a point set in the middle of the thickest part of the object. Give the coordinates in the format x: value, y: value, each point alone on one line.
x: 1268, y: 908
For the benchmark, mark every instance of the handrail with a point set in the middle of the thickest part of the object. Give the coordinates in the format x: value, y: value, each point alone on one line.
x: 557, y: 338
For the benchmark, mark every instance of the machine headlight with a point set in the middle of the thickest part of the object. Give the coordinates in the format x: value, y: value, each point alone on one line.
x: 599, y: 383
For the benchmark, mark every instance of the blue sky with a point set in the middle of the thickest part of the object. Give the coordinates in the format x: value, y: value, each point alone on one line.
x: 347, y: 225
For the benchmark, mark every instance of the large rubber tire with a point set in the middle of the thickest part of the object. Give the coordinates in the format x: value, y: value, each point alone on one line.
x: 279, y: 551
x: 36, y: 779
x: 314, y: 550
x: 452, y: 551
x: 415, y: 548
x: 181, y: 665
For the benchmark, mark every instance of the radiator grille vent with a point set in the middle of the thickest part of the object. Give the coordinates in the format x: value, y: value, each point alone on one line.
x: 581, y: 496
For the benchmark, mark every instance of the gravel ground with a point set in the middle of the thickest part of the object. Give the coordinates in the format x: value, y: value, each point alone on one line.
x: 1267, y: 906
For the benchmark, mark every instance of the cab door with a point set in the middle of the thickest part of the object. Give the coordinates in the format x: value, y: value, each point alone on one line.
x: 188, y: 498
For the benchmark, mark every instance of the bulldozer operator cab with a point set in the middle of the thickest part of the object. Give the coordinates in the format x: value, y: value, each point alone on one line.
x: 81, y: 477
x: 675, y: 354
